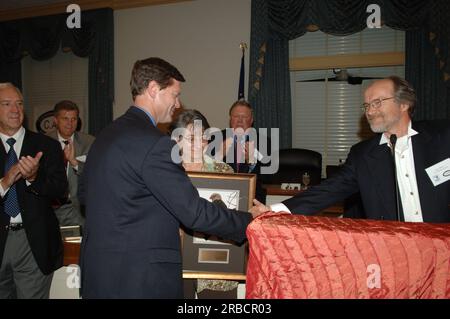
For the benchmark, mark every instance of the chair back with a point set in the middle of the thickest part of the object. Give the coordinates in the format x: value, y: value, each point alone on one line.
x: 294, y: 162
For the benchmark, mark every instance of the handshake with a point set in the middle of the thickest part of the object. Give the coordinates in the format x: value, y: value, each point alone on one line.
x: 258, y: 208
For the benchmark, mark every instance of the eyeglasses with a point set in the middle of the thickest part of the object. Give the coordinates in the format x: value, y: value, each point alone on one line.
x: 376, y: 104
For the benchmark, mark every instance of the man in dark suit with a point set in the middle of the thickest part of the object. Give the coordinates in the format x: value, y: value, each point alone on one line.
x: 422, y: 152
x: 241, y: 142
x: 136, y: 198
x: 32, y: 176
x: 75, y: 146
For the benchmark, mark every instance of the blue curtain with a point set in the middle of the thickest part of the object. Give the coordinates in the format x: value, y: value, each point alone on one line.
x: 426, y: 76
x: 275, y: 22
x: 42, y: 37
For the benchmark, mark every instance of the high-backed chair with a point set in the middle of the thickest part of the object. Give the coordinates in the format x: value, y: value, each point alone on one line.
x: 294, y: 162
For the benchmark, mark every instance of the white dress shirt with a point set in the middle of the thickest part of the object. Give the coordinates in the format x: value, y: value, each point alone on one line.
x: 61, y: 141
x: 17, y: 148
x: 406, y: 176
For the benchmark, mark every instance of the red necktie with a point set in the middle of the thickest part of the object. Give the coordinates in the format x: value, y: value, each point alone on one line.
x: 238, y: 152
x: 66, y: 142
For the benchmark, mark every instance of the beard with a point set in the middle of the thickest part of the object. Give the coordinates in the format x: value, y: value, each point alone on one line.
x: 377, y: 128
x: 382, y: 123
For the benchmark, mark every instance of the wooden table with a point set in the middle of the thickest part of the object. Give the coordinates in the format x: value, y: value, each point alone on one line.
x: 335, y: 210
x: 332, y: 211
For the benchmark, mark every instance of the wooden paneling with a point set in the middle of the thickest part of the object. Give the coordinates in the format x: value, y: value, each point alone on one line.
x: 71, y: 253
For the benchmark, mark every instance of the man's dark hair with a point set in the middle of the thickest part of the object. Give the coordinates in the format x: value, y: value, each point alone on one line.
x: 404, y: 93
x: 240, y: 103
x: 152, y: 69
x: 65, y: 105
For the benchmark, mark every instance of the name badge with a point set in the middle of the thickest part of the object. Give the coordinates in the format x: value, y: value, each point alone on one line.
x: 439, y: 173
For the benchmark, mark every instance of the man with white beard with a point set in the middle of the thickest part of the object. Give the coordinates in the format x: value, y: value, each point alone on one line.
x: 422, y: 157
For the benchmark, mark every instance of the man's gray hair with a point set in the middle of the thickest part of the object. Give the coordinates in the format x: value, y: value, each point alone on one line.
x: 6, y: 85
x: 404, y: 93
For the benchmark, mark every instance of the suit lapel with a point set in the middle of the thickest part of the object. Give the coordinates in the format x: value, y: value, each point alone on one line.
x: 423, y: 146
x: 27, y: 146
x: 2, y: 159
x: 380, y: 168
x: 77, y: 144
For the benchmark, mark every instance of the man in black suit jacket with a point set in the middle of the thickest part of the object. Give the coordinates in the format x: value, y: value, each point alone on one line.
x: 424, y: 196
x: 136, y: 198
x: 30, y: 240
x: 242, y: 138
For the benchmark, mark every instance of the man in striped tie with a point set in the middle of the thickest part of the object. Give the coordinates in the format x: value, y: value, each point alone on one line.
x: 243, y: 145
x: 32, y: 175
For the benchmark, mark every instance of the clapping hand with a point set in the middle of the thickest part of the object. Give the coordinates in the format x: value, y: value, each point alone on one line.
x: 11, y: 176
x: 28, y: 166
x: 69, y: 154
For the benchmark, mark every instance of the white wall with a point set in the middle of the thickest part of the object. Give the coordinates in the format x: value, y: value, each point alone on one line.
x: 201, y: 38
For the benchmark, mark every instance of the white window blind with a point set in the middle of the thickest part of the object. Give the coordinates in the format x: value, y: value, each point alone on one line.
x: 367, y: 41
x: 63, y: 77
x: 326, y: 115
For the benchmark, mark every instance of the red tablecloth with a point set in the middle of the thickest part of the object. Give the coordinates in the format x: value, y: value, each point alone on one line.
x: 294, y: 256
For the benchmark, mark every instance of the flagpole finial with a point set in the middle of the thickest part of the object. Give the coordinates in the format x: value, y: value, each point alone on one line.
x: 243, y: 46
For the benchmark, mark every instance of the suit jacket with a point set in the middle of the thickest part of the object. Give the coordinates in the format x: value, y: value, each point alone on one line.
x: 136, y: 197
x: 260, y: 193
x: 38, y: 217
x: 70, y: 213
x: 369, y: 170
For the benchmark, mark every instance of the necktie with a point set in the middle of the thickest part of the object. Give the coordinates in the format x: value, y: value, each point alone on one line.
x: 66, y: 142
x: 11, y: 203
x: 238, y: 153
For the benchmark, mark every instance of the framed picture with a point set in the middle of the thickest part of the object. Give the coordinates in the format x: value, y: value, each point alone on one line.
x: 202, y: 252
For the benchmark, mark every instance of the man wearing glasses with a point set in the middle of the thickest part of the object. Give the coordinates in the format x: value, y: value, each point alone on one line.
x: 422, y: 157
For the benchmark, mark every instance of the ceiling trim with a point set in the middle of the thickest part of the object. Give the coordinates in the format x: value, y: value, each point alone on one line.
x: 44, y: 10
x: 347, y: 61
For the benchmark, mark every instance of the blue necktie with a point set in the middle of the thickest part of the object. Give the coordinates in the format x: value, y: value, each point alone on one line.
x: 11, y: 203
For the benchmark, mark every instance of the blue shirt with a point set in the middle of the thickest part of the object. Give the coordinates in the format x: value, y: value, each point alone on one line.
x: 148, y: 114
